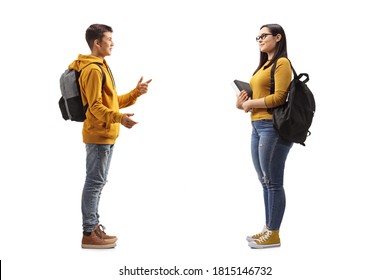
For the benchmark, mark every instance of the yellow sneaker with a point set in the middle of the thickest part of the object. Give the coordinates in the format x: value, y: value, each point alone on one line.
x: 270, y: 238
x: 256, y: 236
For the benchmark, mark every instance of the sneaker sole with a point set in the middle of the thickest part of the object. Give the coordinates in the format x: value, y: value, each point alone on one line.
x: 93, y: 246
x: 258, y: 246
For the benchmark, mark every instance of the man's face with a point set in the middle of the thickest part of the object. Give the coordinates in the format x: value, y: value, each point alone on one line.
x: 104, y: 47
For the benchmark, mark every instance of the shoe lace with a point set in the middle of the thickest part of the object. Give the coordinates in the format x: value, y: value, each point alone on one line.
x: 264, y: 237
x: 100, y: 231
x: 101, y: 228
x: 257, y: 236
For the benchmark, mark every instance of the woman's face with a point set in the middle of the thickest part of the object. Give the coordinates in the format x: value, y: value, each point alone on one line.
x: 267, y: 41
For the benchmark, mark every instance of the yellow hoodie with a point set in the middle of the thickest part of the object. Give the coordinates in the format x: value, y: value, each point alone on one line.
x: 103, y: 117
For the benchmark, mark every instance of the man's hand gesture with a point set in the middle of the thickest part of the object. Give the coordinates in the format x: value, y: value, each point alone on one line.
x: 143, y: 87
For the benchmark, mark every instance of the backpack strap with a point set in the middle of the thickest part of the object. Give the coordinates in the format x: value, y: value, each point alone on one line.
x: 272, y: 88
x: 85, y: 108
x: 272, y: 84
x: 103, y: 74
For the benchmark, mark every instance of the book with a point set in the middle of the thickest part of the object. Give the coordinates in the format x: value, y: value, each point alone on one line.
x: 243, y: 86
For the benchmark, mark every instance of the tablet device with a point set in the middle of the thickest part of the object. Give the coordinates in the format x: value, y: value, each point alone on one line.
x: 243, y: 86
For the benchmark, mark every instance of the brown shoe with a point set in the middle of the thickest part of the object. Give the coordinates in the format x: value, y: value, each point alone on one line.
x: 101, y: 228
x: 95, y: 240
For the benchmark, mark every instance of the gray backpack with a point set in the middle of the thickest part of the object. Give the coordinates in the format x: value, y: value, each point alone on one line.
x: 70, y: 103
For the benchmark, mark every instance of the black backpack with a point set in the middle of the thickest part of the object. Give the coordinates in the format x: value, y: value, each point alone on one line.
x: 70, y: 103
x: 293, y: 119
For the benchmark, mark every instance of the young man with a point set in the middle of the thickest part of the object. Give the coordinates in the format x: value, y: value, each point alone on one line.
x: 101, y: 127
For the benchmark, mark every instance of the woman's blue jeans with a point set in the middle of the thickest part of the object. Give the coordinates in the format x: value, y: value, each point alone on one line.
x: 269, y: 154
x: 97, y: 165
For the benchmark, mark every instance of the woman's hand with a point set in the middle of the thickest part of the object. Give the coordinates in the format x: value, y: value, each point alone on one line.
x: 241, y: 98
x: 247, y: 106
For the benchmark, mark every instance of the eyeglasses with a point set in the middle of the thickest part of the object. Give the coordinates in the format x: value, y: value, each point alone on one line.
x: 262, y: 36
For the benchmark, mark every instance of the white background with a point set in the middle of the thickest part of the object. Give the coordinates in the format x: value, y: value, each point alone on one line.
x: 182, y: 190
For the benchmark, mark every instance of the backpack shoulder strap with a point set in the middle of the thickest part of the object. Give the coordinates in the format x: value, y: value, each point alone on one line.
x: 103, y: 82
x: 272, y: 88
x: 272, y: 84
x: 101, y: 69
x: 103, y: 74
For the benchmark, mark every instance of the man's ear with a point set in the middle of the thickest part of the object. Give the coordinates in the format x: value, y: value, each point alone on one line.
x: 96, y: 43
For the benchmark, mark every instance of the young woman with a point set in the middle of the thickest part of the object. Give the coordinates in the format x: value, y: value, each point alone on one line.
x: 269, y: 151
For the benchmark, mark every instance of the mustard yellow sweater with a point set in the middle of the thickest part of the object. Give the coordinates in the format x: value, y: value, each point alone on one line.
x: 261, y: 84
x: 103, y: 117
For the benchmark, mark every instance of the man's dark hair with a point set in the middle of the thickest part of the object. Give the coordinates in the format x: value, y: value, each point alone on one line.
x: 96, y: 31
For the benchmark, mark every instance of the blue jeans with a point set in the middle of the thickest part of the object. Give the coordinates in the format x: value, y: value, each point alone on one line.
x: 97, y: 165
x: 269, y: 154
